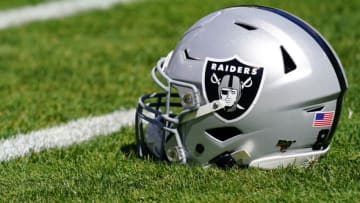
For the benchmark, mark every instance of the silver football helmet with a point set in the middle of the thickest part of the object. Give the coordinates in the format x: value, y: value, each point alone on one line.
x: 249, y: 86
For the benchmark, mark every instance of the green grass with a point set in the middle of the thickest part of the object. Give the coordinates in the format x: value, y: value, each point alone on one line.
x: 97, y: 62
x: 6, y: 4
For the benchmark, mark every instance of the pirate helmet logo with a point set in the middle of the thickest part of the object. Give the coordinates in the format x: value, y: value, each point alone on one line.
x: 233, y: 82
x: 230, y: 92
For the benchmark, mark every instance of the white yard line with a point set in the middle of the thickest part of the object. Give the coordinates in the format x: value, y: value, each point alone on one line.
x: 74, y: 131
x: 52, y: 9
x: 66, y: 134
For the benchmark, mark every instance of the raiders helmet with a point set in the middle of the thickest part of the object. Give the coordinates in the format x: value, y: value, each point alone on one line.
x: 249, y: 86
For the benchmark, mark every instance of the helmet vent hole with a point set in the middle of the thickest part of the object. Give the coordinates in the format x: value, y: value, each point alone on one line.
x: 199, y: 148
x: 314, y: 109
x: 289, y: 64
x: 245, y: 26
x: 187, y: 55
x: 224, y: 133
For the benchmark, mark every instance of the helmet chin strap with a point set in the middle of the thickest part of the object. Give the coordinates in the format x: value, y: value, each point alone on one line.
x: 203, y: 110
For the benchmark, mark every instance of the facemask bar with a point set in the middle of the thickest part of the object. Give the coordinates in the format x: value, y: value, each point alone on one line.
x: 160, y: 68
x: 165, y: 119
x: 152, y: 114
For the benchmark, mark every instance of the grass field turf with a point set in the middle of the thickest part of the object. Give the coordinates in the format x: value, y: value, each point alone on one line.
x: 97, y: 62
x: 18, y: 3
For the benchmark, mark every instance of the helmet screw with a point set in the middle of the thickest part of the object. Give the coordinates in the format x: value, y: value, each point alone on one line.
x: 215, y: 106
x: 187, y: 99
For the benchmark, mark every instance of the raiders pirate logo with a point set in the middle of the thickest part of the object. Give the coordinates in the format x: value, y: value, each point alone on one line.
x: 232, y: 81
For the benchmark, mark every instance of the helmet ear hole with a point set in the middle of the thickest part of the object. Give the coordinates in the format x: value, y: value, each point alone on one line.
x: 199, y: 148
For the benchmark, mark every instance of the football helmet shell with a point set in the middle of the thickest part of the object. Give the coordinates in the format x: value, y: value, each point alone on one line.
x: 248, y: 85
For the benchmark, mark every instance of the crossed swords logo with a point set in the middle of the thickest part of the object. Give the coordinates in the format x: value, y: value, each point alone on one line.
x: 215, y: 80
x: 248, y: 83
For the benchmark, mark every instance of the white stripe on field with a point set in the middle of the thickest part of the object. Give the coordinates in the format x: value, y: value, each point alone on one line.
x: 74, y: 131
x: 53, y: 9
x: 66, y: 134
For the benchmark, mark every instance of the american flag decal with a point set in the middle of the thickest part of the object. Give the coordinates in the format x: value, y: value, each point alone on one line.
x: 322, y: 119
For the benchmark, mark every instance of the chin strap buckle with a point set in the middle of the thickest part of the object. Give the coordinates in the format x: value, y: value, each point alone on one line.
x: 227, y: 160
x: 176, y: 154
